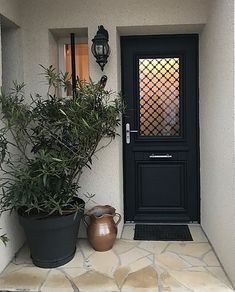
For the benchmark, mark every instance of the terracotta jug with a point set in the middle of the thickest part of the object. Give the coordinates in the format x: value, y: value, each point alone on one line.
x: 101, y: 227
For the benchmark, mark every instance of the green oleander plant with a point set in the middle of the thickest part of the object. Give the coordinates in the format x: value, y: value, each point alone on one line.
x: 46, y: 143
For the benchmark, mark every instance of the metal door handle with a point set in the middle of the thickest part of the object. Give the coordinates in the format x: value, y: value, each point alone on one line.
x: 134, y: 131
x: 128, y: 133
x: 160, y: 156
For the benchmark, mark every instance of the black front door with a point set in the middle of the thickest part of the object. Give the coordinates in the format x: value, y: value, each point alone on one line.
x: 160, y: 128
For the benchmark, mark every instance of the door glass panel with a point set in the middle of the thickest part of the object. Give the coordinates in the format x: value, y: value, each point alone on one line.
x: 159, y: 96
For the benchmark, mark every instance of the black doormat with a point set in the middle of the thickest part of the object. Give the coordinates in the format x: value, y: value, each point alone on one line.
x: 162, y: 232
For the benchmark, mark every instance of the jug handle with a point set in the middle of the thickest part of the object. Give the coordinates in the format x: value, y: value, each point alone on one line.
x: 85, y: 221
x: 119, y: 218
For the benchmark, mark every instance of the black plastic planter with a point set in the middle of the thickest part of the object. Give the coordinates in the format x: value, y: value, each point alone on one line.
x: 52, y: 240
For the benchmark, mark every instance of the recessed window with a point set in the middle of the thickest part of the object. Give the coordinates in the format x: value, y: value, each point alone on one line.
x: 60, y: 53
x: 81, y: 58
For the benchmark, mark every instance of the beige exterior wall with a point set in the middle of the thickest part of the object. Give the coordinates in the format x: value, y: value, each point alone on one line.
x: 39, y: 16
x: 10, y: 64
x: 217, y: 132
x: 11, y: 10
x: 10, y: 68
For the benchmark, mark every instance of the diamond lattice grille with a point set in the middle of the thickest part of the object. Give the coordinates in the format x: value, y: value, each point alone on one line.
x: 159, y: 97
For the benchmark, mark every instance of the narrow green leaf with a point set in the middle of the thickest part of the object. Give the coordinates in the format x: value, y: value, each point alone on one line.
x: 62, y: 112
x: 44, y: 179
x: 57, y: 159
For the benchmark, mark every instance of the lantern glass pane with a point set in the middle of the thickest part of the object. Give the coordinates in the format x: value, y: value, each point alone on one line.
x: 106, y: 49
x: 99, y: 49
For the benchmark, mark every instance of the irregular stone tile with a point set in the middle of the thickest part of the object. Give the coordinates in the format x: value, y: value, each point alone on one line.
x: 190, y: 249
x: 140, y: 264
x: 23, y: 256
x: 219, y: 289
x: 121, y: 246
x: 56, y: 281
x: 132, y: 256
x: 128, y: 232
x: 160, y: 269
x: 27, y: 278
x: 93, y: 281
x: 219, y: 273
x: 120, y: 275
x: 151, y: 257
x: 146, y: 278
x: 177, y: 289
x: 76, y: 262
x: 139, y: 290
x: 197, y: 233
x: 211, y: 260
x: 104, y: 262
x: 74, y: 272
x: 197, y: 269
x: 198, y: 281
x: 170, y: 284
x: 155, y: 247
x: 12, y: 268
x: 85, y: 247
x: 195, y: 262
x: 171, y: 261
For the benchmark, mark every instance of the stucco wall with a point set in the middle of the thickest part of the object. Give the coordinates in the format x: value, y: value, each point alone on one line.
x: 12, y: 65
x: 39, y: 16
x: 217, y: 132
x: 11, y: 10
x: 10, y: 68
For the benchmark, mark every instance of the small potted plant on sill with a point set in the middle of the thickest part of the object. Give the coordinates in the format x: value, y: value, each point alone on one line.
x: 44, y: 147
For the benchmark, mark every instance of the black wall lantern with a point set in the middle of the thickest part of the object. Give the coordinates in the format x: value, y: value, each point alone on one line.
x: 100, y: 47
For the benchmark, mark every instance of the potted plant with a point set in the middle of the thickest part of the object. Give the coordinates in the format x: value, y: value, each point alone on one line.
x: 44, y: 147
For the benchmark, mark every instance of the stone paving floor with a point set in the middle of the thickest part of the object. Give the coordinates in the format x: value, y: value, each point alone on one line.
x: 131, y: 266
